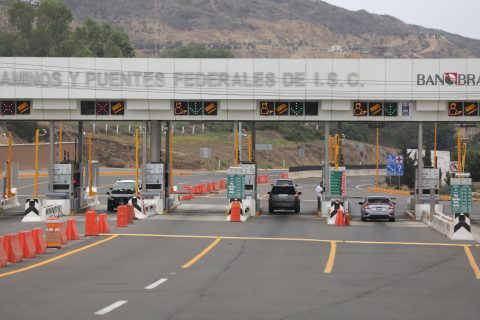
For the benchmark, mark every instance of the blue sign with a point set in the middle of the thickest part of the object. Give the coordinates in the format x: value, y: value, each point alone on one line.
x: 395, y: 169
x: 391, y: 158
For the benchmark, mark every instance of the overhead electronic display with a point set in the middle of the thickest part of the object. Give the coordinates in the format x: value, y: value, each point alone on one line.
x: 296, y: 108
x: 102, y: 108
x: 360, y: 109
x: 195, y: 108
x: 455, y: 109
x: 210, y: 108
x: 281, y: 108
x: 375, y: 109
x: 117, y: 107
x: 23, y: 107
x: 471, y: 109
x: 8, y: 108
x: 390, y: 109
x: 266, y: 108
x: 180, y: 108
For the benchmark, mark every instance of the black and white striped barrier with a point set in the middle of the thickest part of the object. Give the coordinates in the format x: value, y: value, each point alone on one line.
x: 462, y: 227
x: 33, y: 210
x: 138, y: 208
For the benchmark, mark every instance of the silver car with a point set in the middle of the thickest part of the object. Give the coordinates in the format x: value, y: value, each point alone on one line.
x: 378, y: 208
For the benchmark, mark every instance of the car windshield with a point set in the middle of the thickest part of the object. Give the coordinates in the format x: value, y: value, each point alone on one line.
x: 283, y: 190
x: 284, y: 183
x: 379, y: 200
x: 124, y: 186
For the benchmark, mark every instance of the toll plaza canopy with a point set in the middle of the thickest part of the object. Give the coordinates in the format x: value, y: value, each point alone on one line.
x: 240, y: 89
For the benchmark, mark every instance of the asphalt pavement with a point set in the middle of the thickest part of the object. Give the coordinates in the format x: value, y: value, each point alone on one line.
x: 195, y: 265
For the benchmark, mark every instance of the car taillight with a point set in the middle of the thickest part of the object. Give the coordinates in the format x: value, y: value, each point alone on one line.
x: 392, y: 206
x: 296, y: 196
x: 365, y: 206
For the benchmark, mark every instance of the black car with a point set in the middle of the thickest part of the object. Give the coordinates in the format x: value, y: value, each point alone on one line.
x: 120, y: 194
x: 284, y: 197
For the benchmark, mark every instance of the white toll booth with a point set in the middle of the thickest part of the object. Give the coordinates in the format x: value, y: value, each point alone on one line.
x: 153, y: 186
x: 249, y: 171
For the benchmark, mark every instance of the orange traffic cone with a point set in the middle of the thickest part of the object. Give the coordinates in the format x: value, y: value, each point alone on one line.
x: 340, y: 220
x: 235, y: 211
x: 72, y: 232
x: 3, y: 254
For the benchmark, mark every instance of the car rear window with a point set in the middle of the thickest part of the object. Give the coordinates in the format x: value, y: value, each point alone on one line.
x: 284, y: 183
x: 283, y: 190
x: 379, y: 200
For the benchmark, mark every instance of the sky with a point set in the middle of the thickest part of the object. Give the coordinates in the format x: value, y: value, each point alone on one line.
x: 454, y: 16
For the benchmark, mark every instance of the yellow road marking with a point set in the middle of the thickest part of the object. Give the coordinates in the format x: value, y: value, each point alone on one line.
x: 6, y: 274
x: 473, y: 264
x: 295, y: 239
x: 412, y: 243
x: 331, y: 257
x: 201, y: 254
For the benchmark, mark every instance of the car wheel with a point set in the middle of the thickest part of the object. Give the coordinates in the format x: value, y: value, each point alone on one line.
x: 363, y: 218
x: 109, y: 206
x: 270, y: 210
x: 391, y: 219
x: 297, y: 209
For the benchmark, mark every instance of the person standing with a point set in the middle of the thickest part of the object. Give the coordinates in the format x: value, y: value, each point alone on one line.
x: 319, y: 191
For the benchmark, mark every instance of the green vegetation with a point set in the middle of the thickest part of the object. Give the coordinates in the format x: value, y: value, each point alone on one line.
x: 196, y: 50
x: 45, y: 31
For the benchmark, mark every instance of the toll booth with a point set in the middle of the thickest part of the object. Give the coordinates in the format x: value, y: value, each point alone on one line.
x: 66, y: 186
x: 241, y: 185
x: 430, y: 181
x: 153, y: 186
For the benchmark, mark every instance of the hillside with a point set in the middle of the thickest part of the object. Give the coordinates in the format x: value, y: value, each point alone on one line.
x: 273, y: 28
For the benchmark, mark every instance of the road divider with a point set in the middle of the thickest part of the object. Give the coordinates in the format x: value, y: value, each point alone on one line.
x: 27, y: 244
x: 3, y: 253
x: 91, y: 223
x: 72, y: 231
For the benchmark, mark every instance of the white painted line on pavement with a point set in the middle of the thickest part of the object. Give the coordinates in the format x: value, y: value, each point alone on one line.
x: 156, y: 284
x: 111, y: 307
x: 359, y: 187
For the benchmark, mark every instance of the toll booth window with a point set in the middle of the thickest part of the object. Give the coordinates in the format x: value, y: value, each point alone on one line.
x: 360, y: 109
x: 311, y: 108
x: 266, y: 108
x: 281, y: 108
x: 117, y: 108
x: 103, y: 108
x: 23, y: 107
x: 87, y: 108
x: 180, y: 108
x: 296, y: 108
x: 195, y: 108
x: 390, y: 109
x: 471, y: 109
x: 375, y: 109
x: 455, y: 109
x: 210, y: 108
x: 8, y: 108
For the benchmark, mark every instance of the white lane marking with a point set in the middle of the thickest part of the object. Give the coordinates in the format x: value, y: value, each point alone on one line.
x: 111, y: 307
x: 359, y: 187
x: 155, y: 284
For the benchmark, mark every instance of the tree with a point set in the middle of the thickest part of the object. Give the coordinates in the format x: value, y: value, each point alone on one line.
x: 45, y: 31
x: 197, y: 50
x: 100, y: 40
